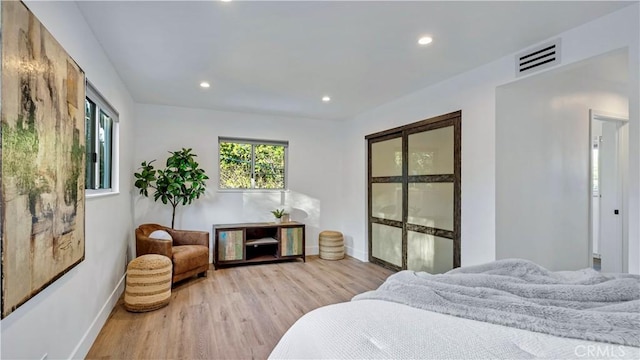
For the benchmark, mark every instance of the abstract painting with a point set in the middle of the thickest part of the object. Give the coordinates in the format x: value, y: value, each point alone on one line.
x: 42, y: 158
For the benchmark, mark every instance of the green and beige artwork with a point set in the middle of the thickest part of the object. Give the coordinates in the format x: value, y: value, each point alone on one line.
x: 42, y: 158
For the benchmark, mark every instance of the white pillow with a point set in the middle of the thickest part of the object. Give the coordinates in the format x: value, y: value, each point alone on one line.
x: 160, y: 234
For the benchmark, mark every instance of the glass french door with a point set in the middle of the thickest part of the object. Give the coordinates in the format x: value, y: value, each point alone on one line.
x: 414, y: 195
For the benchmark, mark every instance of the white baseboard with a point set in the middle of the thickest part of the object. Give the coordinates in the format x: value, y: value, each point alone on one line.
x: 356, y: 254
x: 83, y: 347
x: 312, y: 250
x: 315, y: 250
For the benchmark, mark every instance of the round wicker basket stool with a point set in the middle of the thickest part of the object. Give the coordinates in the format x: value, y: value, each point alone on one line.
x: 331, y: 245
x: 148, y: 285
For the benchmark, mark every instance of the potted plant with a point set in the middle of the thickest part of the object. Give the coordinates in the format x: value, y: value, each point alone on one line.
x: 181, y: 182
x: 278, y: 213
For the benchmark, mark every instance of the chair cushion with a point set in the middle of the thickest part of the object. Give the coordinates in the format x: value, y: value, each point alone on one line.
x: 189, y: 257
x: 160, y: 234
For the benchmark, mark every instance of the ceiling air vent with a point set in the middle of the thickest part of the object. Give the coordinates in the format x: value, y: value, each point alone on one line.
x: 538, y: 58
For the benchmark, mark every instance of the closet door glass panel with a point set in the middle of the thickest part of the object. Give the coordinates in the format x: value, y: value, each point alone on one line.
x: 431, y: 204
x: 386, y: 158
x: 429, y: 253
x: 386, y: 243
x: 431, y: 152
x: 386, y: 201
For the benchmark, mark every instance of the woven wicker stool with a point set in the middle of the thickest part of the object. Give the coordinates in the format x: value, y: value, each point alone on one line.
x: 331, y: 245
x: 148, y: 285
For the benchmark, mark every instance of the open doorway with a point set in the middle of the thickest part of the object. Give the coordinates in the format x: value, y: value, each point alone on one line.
x: 608, y: 166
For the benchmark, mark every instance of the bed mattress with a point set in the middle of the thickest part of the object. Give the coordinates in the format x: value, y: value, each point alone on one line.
x: 374, y: 329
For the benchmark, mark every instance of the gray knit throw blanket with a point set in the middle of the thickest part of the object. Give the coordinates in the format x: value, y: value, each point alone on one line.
x: 583, y: 304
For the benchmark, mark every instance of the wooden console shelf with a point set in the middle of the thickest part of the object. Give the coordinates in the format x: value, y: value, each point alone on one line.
x: 235, y: 244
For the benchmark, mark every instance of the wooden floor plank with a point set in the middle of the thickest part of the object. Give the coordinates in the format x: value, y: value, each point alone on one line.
x: 234, y: 313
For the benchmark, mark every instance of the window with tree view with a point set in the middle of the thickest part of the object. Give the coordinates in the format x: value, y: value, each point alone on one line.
x: 252, y: 164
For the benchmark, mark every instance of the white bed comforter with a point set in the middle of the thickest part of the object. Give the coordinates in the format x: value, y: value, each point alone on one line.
x: 374, y: 329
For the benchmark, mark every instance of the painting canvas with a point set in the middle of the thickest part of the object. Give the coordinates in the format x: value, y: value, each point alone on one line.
x: 42, y: 158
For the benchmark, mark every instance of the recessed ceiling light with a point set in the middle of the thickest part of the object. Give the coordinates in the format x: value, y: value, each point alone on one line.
x: 326, y: 98
x: 225, y: 0
x: 425, y: 40
x: 204, y: 84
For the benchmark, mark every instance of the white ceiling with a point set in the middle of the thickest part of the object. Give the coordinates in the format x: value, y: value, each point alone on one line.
x: 282, y: 57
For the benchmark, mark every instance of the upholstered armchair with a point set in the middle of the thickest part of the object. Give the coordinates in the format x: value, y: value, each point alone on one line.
x: 188, y: 250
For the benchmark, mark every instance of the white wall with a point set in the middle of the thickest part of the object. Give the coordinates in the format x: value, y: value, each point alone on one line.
x: 314, y: 167
x: 542, y: 160
x: 474, y: 93
x: 64, y: 319
x: 632, y: 202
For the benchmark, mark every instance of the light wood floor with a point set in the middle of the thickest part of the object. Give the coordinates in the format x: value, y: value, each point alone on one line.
x: 234, y: 313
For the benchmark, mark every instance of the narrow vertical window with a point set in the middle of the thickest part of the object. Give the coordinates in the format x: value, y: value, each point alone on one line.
x: 90, y: 131
x: 104, y: 144
x: 101, y: 128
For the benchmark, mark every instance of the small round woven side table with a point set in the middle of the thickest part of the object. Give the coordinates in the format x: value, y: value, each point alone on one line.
x: 331, y: 245
x: 148, y: 285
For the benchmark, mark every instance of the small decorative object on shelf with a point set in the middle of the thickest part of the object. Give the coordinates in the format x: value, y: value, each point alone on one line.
x: 278, y: 213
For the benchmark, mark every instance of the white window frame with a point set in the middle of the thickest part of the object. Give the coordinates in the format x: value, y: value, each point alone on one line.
x: 254, y: 142
x: 103, y: 105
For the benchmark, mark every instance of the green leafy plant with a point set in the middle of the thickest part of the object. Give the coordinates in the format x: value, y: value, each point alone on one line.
x: 181, y: 182
x: 278, y: 213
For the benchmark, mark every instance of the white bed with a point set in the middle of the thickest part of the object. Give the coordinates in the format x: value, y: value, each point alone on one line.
x: 374, y: 329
